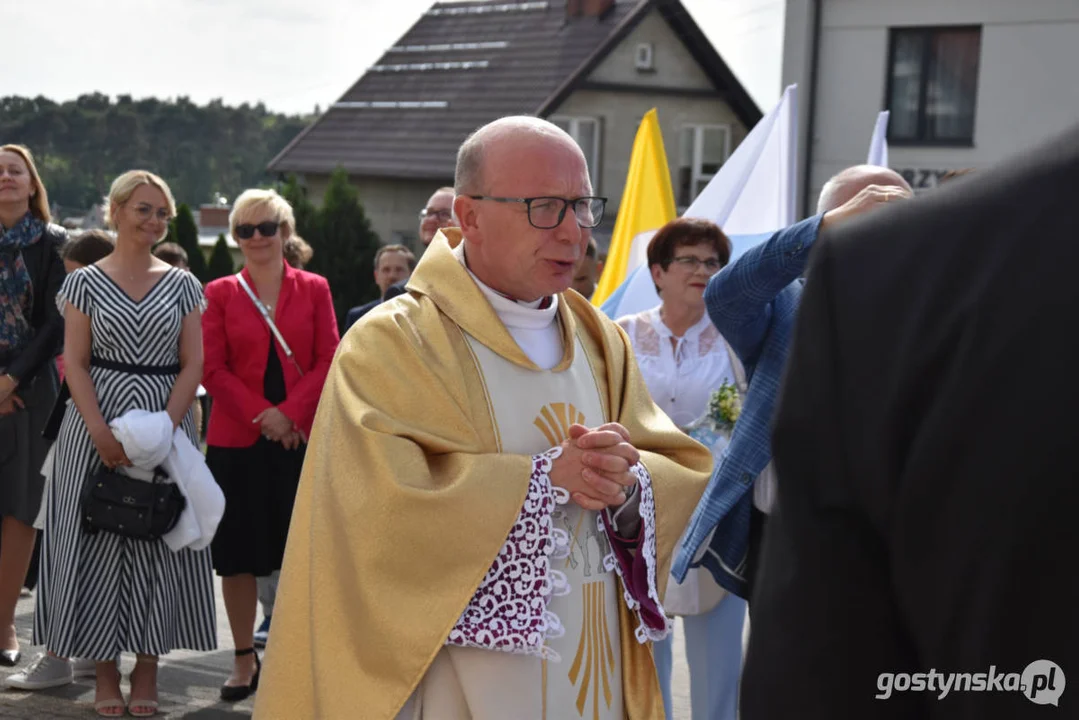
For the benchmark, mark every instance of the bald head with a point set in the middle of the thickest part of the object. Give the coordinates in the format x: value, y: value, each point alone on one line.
x: 484, y: 146
x: 846, y: 184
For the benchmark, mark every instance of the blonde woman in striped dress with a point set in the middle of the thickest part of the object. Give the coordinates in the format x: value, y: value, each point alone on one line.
x: 132, y: 341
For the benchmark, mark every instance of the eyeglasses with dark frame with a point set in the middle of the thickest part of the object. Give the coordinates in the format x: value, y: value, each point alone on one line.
x: 546, y: 213
x: 440, y: 215
x: 691, y: 263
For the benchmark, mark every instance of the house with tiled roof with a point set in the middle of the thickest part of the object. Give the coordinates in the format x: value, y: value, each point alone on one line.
x: 594, y: 67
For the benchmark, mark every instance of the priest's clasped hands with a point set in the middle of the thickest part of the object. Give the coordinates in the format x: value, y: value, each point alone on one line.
x: 594, y: 466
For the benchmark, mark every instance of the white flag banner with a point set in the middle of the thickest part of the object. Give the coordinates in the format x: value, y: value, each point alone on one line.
x: 751, y: 197
x: 754, y: 192
x: 878, y: 144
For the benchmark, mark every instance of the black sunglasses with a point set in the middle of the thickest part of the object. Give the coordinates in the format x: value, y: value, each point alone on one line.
x: 247, y: 230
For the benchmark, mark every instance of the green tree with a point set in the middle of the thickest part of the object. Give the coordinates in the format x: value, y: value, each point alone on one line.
x: 81, y: 145
x: 187, y: 237
x: 220, y: 263
x: 305, y: 211
x: 346, y: 246
x: 170, y: 236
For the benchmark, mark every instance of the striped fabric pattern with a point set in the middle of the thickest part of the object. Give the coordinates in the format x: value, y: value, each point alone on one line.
x: 103, y: 594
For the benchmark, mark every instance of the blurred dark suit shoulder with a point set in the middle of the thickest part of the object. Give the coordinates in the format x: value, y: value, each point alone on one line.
x: 360, y: 310
x: 926, y: 452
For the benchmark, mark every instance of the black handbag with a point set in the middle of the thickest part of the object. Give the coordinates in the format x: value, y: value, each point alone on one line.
x: 138, y: 509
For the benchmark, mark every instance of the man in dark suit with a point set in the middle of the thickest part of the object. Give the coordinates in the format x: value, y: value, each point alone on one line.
x: 393, y: 266
x: 926, y: 449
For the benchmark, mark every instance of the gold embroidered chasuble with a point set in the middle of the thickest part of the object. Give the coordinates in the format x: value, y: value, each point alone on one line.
x: 410, y: 489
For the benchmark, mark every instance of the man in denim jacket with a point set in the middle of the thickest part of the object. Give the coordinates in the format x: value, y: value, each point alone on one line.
x: 754, y: 303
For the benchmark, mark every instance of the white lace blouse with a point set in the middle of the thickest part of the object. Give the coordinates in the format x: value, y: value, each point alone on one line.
x: 681, y: 376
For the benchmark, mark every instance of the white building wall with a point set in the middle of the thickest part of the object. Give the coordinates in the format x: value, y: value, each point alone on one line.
x: 1026, y: 78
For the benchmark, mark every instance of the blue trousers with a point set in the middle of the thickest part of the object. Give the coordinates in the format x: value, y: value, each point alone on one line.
x: 714, y: 656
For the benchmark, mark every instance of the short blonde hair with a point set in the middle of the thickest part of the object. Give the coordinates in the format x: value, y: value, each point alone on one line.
x: 125, y: 186
x: 39, y: 201
x: 262, y: 203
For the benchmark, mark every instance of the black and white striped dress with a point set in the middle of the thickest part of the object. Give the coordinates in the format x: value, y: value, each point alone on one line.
x: 103, y: 594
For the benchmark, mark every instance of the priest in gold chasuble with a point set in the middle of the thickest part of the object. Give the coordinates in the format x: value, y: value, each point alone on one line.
x: 485, y: 519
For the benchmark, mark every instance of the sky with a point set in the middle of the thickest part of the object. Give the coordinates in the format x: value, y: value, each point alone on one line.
x: 289, y: 54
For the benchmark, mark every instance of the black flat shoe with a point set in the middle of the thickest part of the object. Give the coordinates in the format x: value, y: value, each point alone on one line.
x: 10, y: 658
x: 236, y: 693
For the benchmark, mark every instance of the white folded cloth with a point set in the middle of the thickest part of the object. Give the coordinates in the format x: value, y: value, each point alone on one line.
x: 46, y: 470
x: 149, y: 442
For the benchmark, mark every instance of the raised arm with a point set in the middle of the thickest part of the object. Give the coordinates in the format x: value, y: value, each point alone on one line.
x: 739, y: 297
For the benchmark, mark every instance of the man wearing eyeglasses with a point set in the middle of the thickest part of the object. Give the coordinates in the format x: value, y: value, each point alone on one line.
x: 437, y: 214
x: 490, y: 498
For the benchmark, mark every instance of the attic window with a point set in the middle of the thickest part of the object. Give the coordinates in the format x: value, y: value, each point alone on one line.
x: 644, y: 58
x: 461, y: 65
x: 496, y: 45
x: 481, y: 9
x: 391, y: 104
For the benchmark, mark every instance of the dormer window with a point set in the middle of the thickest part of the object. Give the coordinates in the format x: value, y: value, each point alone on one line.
x: 644, y: 58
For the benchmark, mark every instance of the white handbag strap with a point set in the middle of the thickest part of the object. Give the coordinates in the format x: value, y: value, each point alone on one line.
x: 269, y: 321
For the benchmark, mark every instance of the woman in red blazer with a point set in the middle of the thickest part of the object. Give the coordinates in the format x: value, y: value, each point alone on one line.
x: 263, y: 407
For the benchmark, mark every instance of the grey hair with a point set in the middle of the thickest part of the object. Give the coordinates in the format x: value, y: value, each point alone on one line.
x: 848, y: 182
x: 468, y: 177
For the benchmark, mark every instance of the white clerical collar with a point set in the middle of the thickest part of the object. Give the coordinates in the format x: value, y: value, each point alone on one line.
x: 533, y: 315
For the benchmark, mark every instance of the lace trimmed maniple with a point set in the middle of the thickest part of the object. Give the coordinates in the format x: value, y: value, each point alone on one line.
x: 509, y: 611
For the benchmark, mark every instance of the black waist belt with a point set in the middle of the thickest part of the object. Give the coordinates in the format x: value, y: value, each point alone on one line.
x: 135, y: 369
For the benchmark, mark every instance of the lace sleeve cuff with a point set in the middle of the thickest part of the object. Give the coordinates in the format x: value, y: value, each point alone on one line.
x: 635, y: 563
x: 509, y: 609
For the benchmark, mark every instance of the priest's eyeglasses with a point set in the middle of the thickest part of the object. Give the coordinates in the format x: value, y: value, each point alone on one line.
x: 545, y: 213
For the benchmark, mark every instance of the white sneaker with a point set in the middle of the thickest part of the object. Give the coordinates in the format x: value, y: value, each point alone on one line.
x: 45, y: 671
x: 83, y: 667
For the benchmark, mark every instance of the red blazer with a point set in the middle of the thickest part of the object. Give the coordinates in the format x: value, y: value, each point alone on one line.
x: 236, y: 342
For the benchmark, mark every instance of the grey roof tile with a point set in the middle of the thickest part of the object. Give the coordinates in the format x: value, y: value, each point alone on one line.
x: 523, y: 60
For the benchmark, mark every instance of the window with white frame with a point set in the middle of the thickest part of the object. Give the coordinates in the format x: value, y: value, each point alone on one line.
x: 702, y: 151
x: 586, y: 131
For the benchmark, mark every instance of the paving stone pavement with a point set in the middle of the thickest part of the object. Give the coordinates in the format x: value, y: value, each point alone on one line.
x: 189, y: 682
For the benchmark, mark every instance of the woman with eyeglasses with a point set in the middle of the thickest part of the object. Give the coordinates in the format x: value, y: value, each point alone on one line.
x: 270, y: 334
x: 684, y: 360
x: 132, y: 341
